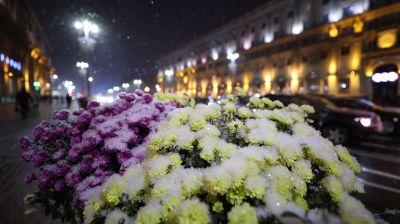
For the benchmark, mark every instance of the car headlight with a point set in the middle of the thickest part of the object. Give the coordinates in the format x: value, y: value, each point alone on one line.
x: 364, y: 121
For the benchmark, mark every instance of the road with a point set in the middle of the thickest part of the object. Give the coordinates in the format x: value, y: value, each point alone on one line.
x: 380, y: 159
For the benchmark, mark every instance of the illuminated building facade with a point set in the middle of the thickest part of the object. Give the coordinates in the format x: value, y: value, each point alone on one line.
x: 23, y: 50
x: 288, y: 46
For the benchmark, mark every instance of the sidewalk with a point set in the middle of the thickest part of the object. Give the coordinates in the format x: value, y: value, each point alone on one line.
x: 12, y: 168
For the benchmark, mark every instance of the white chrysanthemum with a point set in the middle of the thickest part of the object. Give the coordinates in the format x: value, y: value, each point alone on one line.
x: 261, y: 155
x: 281, y: 116
x: 185, y: 137
x: 268, y: 103
x: 261, y: 113
x: 334, y: 186
x: 150, y: 213
x: 348, y: 178
x: 197, y: 122
x: 168, y: 185
x: 280, y: 179
x: 321, y: 152
x: 349, y: 160
x: 359, y: 186
x: 277, y: 104
x: 237, y: 168
x: 262, y: 135
x: 234, y: 126
x: 244, y: 112
x: 304, y: 129
x: 289, y: 148
x: 256, y: 102
x: 192, y: 181
x: 208, y: 147
x: 353, y: 211
x: 179, y: 116
x: 307, y: 109
x: 303, y: 169
x: 229, y: 108
x: 209, y: 130
x: 159, y: 166
x: 299, y: 186
x: 216, y: 181
x: 135, y: 178
x: 260, y: 123
x: 294, y: 107
x: 116, y: 217
x: 296, y: 116
x: 322, y: 216
x: 224, y: 149
x: 278, y: 204
x: 209, y: 112
x: 255, y: 186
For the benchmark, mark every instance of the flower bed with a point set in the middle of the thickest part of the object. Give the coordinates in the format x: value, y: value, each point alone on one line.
x: 138, y: 161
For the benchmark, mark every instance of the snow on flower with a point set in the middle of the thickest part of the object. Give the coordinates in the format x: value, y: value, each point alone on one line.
x: 139, y: 161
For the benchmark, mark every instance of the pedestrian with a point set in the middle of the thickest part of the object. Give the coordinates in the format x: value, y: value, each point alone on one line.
x: 23, y: 99
x: 68, y: 98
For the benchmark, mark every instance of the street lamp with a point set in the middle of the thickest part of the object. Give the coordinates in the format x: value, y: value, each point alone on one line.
x: 55, y: 76
x: 83, y: 66
x: 87, y: 27
x: 125, y: 86
x: 137, y: 82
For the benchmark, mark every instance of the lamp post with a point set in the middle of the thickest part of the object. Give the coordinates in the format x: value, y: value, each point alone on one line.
x: 87, y: 27
x: 137, y: 82
x: 83, y: 66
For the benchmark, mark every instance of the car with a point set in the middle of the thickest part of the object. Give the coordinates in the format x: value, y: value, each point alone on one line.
x: 390, y: 116
x: 338, y: 124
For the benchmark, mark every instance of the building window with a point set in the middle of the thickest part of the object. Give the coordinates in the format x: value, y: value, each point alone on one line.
x: 345, y: 50
x: 323, y: 55
x: 290, y: 14
x: 289, y: 61
x: 344, y: 85
x: 324, y: 2
x: 263, y: 25
x: 233, y: 37
x: 304, y: 59
x: 242, y: 34
x: 274, y: 64
x: 252, y: 30
x: 276, y: 20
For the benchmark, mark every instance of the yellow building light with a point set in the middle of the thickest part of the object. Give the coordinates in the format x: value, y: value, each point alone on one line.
x: 35, y: 53
x: 246, y: 83
x: 185, y: 79
x: 294, y: 81
x: 332, y: 67
x: 10, y: 74
x: 229, y: 86
x: 332, y: 84
x: 333, y: 31
x: 387, y: 39
x: 369, y: 72
x: 355, y: 56
x: 214, y: 88
x: 358, y: 25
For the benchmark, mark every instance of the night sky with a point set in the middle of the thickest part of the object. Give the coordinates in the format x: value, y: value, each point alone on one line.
x: 134, y: 33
